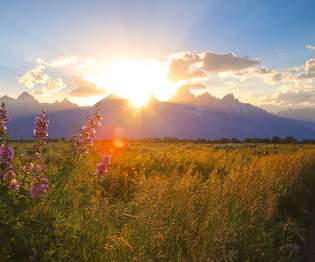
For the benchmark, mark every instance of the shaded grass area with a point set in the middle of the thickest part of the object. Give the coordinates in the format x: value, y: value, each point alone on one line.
x: 165, y: 202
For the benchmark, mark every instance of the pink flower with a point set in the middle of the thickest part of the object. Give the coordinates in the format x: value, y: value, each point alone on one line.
x: 28, y: 167
x: 10, y: 174
x: 6, y: 155
x: 39, y: 187
x: 87, y: 135
x: 39, y: 168
x: 41, y: 127
x: 4, y: 118
x: 102, y: 167
x: 15, y: 184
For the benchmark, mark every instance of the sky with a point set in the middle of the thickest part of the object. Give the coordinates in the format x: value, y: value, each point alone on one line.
x: 261, y: 51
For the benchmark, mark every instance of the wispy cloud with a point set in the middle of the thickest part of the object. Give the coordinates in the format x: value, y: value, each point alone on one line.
x: 311, y: 47
x: 59, y: 61
x: 64, y: 61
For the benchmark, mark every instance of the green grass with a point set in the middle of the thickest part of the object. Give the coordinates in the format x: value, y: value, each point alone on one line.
x: 165, y: 202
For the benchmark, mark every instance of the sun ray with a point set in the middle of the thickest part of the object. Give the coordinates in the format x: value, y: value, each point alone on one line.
x: 135, y: 80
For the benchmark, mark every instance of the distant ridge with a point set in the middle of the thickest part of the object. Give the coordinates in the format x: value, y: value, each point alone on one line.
x: 26, y: 104
x: 185, y: 116
x: 303, y: 114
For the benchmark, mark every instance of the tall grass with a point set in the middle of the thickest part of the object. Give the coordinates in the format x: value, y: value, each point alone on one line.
x: 169, y: 202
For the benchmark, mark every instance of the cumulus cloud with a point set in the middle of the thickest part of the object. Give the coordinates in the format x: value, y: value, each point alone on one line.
x: 223, y: 62
x: 309, y: 70
x: 37, y: 78
x: 311, y: 47
x: 188, y: 65
x: 51, y: 86
x: 54, y: 85
x: 267, y: 75
x: 34, y: 76
x: 85, y: 89
x: 182, y: 66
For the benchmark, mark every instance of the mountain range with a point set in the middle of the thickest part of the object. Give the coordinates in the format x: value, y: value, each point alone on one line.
x: 185, y: 116
x: 303, y: 114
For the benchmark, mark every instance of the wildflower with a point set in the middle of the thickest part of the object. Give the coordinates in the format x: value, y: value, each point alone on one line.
x: 6, y: 155
x: 15, y: 184
x: 39, y: 168
x: 10, y: 174
x: 6, y: 165
x: 35, y: 166
x: 39, y: 187
x: 28, y: 167
x: 41, y: 127
x: 6, y: 152
x: 102, y: 167
x: 87, y: 134
x: 4, y: 118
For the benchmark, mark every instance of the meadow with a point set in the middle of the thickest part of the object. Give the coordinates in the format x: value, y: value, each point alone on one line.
x: 178, y: 201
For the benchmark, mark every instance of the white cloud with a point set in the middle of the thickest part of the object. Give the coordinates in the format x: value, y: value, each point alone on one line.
x: 37, y: 78
x: 294, y: 97
x: 311, y: 47
x: 59, y: 61
x: 309, y: 70
x: 55, y: 85
x: 269, y: 76
x: 64, y: 61
x: 34, y: 76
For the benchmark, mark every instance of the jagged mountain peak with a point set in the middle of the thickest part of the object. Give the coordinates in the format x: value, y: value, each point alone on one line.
x: 6, y: 99
x: 66, y: 100
x: 26, y: 97
x: 229, y: 98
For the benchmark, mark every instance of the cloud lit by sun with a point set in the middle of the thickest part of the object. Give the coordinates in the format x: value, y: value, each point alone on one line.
x: 135, y: 80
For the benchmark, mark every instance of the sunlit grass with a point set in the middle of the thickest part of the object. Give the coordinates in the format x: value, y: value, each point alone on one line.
x: 178, y: 202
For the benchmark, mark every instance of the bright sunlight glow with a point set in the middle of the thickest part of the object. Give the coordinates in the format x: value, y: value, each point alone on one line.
x: 135, y: 80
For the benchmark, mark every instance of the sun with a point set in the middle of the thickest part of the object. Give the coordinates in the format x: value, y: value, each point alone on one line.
x: 136, y: 80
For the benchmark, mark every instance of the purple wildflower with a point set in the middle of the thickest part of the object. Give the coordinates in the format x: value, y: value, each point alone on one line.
x: 6, y: 152
x: 102, y: 167
x: 41, y: 127
x: 35, y: 166
x: 6, y: 155
x: 4, y: 118
x: 6, y: 165
x: 10, y: 174
x: 87, y: 134
x: 28, y: 167
x: 15, y: 184
x: 39, y: 187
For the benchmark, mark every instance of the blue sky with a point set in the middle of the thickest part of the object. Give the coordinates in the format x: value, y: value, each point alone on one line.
x: 275, y: 32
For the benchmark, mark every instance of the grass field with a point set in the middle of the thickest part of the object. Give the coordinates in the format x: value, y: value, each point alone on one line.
x: 163, y: 202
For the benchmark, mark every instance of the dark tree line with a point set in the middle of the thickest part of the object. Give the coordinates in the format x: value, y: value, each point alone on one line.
x: 250, y: 140
x: 256, y: 140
